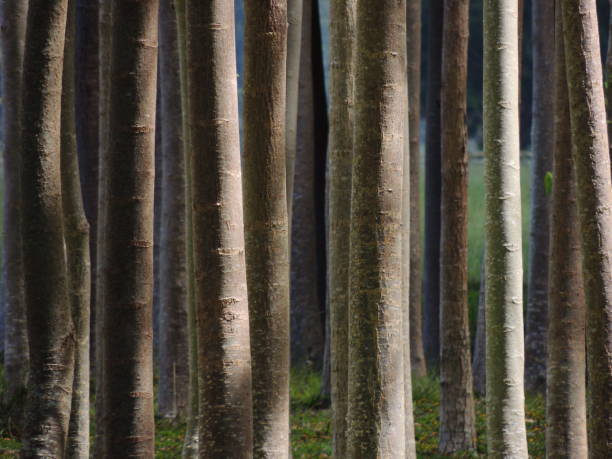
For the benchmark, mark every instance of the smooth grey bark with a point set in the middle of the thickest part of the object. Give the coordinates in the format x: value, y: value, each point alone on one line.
x: 566, y: 418
x: 14, y: 19
x: 157, y: 222
x: 173, y: 366
x: 542, y: 141
x: 342, y: 32
x: 376, y: 412
x: 506, y: 436
x: 478, y: 363
x: 51, y: 331
x: 592, y: 161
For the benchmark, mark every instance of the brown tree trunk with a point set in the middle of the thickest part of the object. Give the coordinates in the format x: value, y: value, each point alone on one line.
x: 592, y: 160
x: 478, y: 363
x: 566, y: 432
x: 14, y: 19
x: 266, y: 221
x: 50, y: 329
x: 376, y: 413
x: 433, y: 187
x: 457, y: 429
x: 543, y: 16
x: 173, y: 366
x: 220, y: 273
x: 128, y: 247
x: 413, y: 25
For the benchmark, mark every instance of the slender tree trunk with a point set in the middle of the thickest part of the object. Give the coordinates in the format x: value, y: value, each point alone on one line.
x: 504, y: 284
x: 174, y: 367
x: 592, y: 160
x: 76, y: 230
x: 457, y: 428
x: 221, y: 291
x: 566, y: 433
x: 266, y: 222
x: 128, y: 248
x: 190, y: 444
x: 157, y: 222
x: 14, y: 19
x: 413, y: 25
x: 50, y: 328
x: 478, y: 363
x: 376, y: 372
x: 342, y: 33
x: 307, y: 332
x: 543, y: 16
x: 433, y: 186
x: 608, y: 85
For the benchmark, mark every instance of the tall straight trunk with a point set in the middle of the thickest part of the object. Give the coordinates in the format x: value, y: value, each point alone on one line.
x: 592, y: 161
x: 14, y: 19
x: 342, y: 33
x: 173, y: 366
x: 413, y: 30
x: 457, y: 428
x: 128, y: 248
x: 50, y: 328
x: 566, y: 433
x: 221, y: 291
x: 608, y: 76
x: 433, y: 186
x: 266, y: 221
x: 478, y: 363
x: 307, y: 331
x: 157, y: 222
x: 543, y: 16
x: 190, y: 443
x: 77, y: 250
x: 376, y: 372
x: 504, y: 269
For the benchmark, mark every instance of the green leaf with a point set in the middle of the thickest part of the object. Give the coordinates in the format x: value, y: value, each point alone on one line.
x: 548, y: 183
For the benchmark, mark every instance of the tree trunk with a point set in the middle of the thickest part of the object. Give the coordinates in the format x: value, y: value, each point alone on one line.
x: 307, y: 332
x: 608, y: 85
x: 77, y: 250
x: 173, y: 370
x: 14, y: 19
x: 376, y: 372
x: 221, y: 291
x: 342, y: 32
x: 504, y: 283
x: 266, y: 221
x: 480, y: 345
x: 413, y: 25
x: 592, y: 160
x: 50, y: 328
x: 157, y: 221
x: 457, y: 428
x: 543, y: 16
x: 128, y: 248
x: 566, y: 433
x: 433, y: 186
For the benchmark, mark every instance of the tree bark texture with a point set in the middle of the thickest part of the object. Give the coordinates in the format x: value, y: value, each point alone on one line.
x: 566, y: 433
x: 76, y: 230
x: 14, y: 20
x: 376, y: 352
x: 457, y: 417
x: 592, y: 161
x: 433, y: 187
x: 504, y: 283
x: 267, y: 236
x: 157, y: 221
x: 608, y: 76
x: 479, y: 375
x: 224, y: 358
x: 413, y: 29
x: 173, y: 366
x: 342, y: 35
x: 50, y: 328
x: 542, y: 141
x: 128, y: 247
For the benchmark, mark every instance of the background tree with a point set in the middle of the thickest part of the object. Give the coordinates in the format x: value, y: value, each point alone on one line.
x: 479, y: 360
x: 566, y: 433
x: 376, y: 372
x: 504, y: 283
x: 128, y: 246
x: 50, y: 327
x: 224, y: 359
x: 14, y: 19
x: 266, y: 230
x: 592, y: 160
